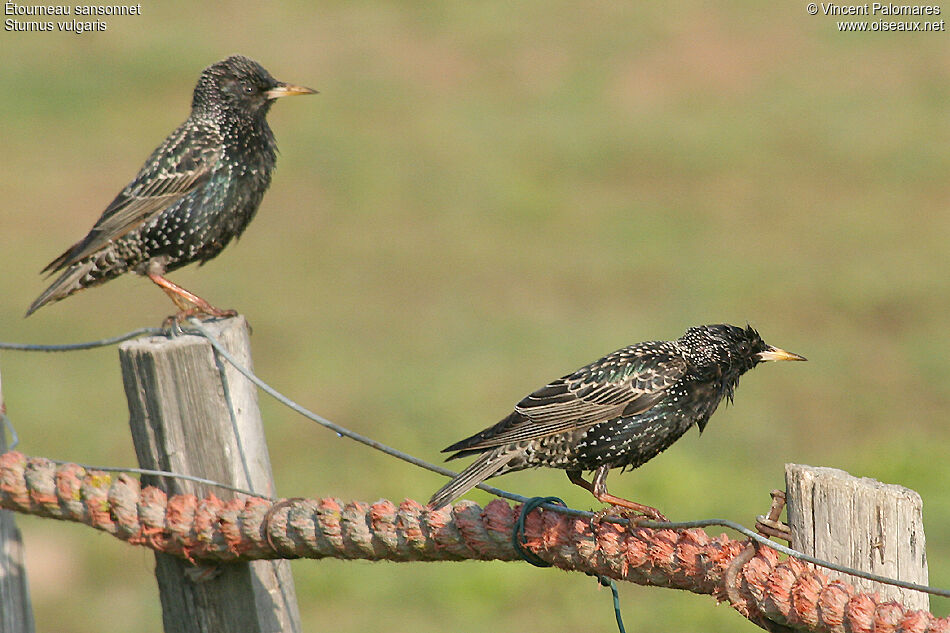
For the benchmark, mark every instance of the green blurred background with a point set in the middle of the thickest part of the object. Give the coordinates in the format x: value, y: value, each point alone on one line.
x: 485, y: 196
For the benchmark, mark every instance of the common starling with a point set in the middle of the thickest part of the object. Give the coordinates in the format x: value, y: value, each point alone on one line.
x: 618, y: 412
x: 197, y: 191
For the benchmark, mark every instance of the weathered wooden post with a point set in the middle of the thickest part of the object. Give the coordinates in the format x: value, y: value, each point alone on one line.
x: 194, y: 414
x: 16, y: 612
x: 859, y: 523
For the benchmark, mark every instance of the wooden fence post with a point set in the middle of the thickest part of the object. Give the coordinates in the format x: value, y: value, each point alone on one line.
x: 16, y: 612
x: 859, y: 523
x: 194, y: 414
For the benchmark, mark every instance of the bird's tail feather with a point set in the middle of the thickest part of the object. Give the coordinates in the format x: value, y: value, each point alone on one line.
x: 66, y: 284
x: 478, y: 471
x: 60, y: 262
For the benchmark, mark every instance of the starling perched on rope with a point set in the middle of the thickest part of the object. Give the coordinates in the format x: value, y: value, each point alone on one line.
x: 618, y: 412
x: 196, y: 192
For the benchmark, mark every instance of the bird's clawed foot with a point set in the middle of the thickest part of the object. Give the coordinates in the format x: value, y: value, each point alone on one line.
x: 204, y: 309
x: 188, y: 303
x: 626, y: 510
x: 178, y: 319
x: 618, y: 506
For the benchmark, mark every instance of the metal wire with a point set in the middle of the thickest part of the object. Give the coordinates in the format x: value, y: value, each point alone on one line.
x: 8, y: 426
x: 72, y: 347
x: 200, y: 330
x: 165, y: 473
x: 936, y: 591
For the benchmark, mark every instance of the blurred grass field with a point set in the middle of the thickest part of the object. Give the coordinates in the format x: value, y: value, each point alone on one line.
x: 483, y: 197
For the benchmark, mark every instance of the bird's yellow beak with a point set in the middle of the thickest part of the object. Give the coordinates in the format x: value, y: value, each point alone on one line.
x: 288, y: 90
x: 774, y: 353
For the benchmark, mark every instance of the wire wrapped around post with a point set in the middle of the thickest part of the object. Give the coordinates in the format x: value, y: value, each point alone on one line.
x: 772, y: 593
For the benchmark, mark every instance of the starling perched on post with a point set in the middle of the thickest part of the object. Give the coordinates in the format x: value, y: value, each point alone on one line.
x: 197, y: 191
x: 618, y: 412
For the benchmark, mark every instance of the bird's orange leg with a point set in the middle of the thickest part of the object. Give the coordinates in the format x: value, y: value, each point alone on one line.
x: 598, y: 488
x: 188, y: 303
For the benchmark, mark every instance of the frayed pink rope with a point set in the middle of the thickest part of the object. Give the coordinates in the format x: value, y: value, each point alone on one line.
x: 769, y: 592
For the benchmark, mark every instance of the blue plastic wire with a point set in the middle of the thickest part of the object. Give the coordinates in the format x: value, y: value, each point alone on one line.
x: 518, y: 541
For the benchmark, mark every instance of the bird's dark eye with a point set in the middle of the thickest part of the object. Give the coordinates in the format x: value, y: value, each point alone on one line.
x: 248, y: 89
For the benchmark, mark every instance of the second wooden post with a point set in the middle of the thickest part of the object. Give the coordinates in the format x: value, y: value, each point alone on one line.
x: 859, y: 523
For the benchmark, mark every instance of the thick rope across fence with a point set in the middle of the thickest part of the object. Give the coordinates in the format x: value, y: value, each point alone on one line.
x: 775, y: 594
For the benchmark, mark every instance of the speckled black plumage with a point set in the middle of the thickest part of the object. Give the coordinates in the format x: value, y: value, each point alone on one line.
x: 617, y: 412
x: 195, y: 193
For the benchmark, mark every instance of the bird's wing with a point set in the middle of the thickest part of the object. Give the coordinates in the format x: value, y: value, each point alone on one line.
x: 625, y: 383
x: 176, y: 168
